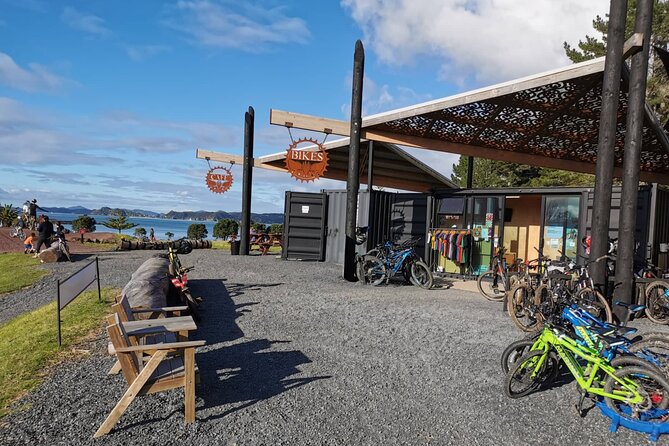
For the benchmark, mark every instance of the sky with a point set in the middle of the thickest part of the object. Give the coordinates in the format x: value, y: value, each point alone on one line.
x: 103, y: 103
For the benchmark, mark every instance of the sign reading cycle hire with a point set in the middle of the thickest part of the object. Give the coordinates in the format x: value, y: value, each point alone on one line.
x: 307, y: 164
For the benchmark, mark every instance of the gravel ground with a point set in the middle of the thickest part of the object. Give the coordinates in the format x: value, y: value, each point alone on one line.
x: 297, y: 356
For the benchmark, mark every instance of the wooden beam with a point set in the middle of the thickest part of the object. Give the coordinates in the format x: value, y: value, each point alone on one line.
x: 219, y: 156
x: 501, y: 155
x: 308, y: 122
x: 633, y: 45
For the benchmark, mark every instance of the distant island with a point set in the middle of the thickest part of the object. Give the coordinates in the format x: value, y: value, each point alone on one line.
x: 268, y: 218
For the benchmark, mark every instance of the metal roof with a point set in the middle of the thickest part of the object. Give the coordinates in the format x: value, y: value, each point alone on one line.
x: 549, y: 119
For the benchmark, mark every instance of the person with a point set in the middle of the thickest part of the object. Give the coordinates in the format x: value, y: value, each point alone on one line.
x: 33, y: 213
x: 28, y: 243
x: 152, y: 235
x: 44, y: 233
x: 26, y: 209
x: 60, y: 230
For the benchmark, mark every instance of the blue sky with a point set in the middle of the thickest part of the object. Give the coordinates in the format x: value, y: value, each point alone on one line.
x: 104, y: 102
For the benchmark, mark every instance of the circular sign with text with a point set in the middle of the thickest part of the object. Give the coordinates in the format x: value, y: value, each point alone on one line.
x: 308, y: 163
x: 219, y: 179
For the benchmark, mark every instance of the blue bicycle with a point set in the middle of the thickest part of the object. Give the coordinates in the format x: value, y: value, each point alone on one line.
x: 402, y: 258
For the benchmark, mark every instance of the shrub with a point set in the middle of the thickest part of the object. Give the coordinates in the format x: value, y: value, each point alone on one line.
x: 84, y: 222
x: 197, y: 231
x: 276, y: 228
x: 225, y: 227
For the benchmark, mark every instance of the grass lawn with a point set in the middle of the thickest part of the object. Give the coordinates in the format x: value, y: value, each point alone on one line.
x: 222, y: 244
x: 18, y: 270
x: 29, y: 343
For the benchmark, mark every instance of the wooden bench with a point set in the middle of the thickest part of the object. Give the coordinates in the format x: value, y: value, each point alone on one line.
x: 169, y: 366
x: 157, y: 328
x: 265, y: 242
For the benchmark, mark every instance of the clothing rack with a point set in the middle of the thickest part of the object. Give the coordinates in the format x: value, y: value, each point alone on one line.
x: 443, y: 244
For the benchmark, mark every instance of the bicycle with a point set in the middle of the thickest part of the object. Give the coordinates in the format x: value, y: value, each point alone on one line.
x: 657, y: 302
x: 634, y: 392
x: 402, y: 258
x: 489, y: 282
x: 178, y: 273
x: 17, y: 232
x: 62, y: 246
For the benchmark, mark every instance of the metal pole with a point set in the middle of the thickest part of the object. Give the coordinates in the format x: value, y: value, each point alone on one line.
x: 353, y: 179
x: 245, y: 227
x: 97, y: 276
x: 630, y: 189
x: 607, y: 135
x: 470, y: 171
x: 370, y: 166
x: 58, y: 310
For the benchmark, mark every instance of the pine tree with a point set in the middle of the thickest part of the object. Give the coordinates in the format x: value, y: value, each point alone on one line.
x: 120, y: 222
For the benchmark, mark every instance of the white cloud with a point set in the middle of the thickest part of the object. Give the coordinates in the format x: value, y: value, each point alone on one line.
x: 87, y: 23
x: 34, y: 78
x: 379, y: 98
x: 479, y: 40
x: 235, y: 25
x: 139, y: 53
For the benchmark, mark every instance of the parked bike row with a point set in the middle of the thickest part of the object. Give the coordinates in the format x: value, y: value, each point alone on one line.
x: 390, y: 259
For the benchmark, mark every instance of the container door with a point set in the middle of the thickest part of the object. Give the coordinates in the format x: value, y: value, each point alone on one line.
x: 304, y: 226
x: 561, y: 220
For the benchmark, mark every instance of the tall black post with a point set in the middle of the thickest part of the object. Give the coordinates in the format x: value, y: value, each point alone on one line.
x: 353, y: 180
x: 625, y: 291
x: 245, y: 227
x: 470, y: 171
x: 607, y: 138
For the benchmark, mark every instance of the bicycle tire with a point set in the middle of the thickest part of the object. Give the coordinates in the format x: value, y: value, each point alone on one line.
x: 657, y: 348
x: 514, y: 351
x: 652, y: 385
x: 656, y: 301
x: 66, y: 252
x: 372, y: 269
x: 521, y: 373
x: 488, y: 291
x: 594, y: 303
x: 518, y: 303
x: 421, y: 275
x: 626, y: 360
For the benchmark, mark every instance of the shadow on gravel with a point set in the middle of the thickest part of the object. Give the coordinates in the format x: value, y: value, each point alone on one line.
x: 243, y: 372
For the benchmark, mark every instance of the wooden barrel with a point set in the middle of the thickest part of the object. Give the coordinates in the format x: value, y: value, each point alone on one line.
x: 124, y: 245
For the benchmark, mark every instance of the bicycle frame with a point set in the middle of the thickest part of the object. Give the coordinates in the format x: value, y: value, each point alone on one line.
x: 568, y: 350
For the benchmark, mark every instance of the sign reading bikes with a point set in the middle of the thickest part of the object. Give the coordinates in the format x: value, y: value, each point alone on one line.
x: 309, y: 163
x: 219, y: 179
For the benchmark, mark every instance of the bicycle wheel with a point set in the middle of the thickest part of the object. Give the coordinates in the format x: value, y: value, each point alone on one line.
x: 657, y: 304
x: 514, y: 351
x: 492, y: 285
x: 372, y: 270
x: 519, y: 307
x: 526, y: 375
x: 652, y: 386
x: 653, y: 349
x: 594, y: 303
x: 66, y: 252
x: 421, y: 275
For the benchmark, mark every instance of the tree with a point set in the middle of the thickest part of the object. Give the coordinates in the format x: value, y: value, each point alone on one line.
x: 169, y: 235
x: 657, y: 91
x: 7, y: 215
x: 225, y: 227
x: 84, y: 222
x: 491, y: 173
x: 120, y: 222
x: 140, y: 232
x: 197, y: 231
x: 260, y: 228
x: 275, y: 228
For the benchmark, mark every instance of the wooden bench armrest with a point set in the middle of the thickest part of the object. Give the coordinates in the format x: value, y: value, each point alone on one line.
x: 161, y: 346
x: 161, y: 309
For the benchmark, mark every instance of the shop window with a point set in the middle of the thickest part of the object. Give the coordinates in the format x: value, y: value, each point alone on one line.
x: 561, y: 227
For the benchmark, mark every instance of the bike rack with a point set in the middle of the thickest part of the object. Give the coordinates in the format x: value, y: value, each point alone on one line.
x: 654, y: 430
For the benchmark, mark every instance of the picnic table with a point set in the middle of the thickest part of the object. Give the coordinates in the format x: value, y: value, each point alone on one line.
x: 264, y: 242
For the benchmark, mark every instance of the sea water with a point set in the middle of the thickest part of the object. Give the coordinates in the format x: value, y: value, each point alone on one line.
x: 160, y: 225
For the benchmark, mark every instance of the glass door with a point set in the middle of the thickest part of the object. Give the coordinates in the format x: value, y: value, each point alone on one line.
x: 485, y: 230
x: 560, y: 233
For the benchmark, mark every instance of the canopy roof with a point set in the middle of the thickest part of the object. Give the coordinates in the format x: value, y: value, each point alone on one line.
x: 392, y: 166
x: 549, y: 119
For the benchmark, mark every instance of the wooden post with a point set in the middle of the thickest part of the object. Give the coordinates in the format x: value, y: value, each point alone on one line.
x: 607, y: 136
x: 370, y: 166
x: 245, y: 227
x: 58, y: 310
x: 97, y: 276
x: 625, y: 291
x: 353, y: 179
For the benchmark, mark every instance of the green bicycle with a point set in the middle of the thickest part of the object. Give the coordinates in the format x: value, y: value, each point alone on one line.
x: 634, y: 392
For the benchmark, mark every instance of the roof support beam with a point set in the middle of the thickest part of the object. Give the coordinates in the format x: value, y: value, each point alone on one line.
x: 220, y: 157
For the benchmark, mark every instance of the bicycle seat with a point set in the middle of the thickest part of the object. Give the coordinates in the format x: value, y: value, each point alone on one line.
x: 630, y: 307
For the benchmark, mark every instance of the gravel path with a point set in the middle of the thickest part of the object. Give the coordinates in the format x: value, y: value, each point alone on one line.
x: 297, y: 356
